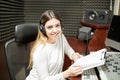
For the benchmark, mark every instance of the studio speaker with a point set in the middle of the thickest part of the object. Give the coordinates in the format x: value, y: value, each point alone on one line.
x: 98, y: 16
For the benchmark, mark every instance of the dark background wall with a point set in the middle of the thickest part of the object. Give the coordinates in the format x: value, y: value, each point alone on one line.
x: 71, y: 11
x: 13, y: 12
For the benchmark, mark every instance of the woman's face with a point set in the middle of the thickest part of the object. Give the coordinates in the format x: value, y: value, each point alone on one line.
x: 53, y: 29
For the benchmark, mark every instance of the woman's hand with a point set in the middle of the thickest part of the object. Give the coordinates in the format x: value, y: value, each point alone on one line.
x: 73, y: 70
x: 76, y: 56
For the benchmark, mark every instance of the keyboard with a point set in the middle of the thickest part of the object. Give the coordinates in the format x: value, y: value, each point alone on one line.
x: 89, y: 74
x: 111, y: 69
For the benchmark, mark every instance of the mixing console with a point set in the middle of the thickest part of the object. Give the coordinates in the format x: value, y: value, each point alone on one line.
x: 111, y: 69
x: 89, y: 74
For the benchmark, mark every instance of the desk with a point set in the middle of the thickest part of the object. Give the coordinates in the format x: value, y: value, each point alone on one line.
x: 100, y: 34
x: 76, y: 78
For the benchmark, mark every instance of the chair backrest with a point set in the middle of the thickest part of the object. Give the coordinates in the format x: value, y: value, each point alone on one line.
x: 17, y: 50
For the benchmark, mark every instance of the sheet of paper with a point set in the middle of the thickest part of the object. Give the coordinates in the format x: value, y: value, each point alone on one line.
x: 92, y: 60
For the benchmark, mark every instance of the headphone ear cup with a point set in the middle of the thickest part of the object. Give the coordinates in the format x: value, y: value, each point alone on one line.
x: 42, y: 28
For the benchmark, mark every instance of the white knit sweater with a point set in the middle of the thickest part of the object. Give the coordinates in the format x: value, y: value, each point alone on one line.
x: 48, y: 60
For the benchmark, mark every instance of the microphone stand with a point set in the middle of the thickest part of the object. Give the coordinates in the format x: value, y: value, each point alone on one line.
x: 87, y: 43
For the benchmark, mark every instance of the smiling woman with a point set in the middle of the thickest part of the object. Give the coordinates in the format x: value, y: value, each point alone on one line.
x: 53, y: 30
x: 47, y: 53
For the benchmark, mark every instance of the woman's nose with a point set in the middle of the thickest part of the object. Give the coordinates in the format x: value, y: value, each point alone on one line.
x: 54, y: 29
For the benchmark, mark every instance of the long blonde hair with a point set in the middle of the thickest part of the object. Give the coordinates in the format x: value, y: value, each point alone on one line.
x: 42, y: 37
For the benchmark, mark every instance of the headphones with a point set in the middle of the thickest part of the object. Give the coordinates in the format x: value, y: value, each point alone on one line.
x: 42, y: 27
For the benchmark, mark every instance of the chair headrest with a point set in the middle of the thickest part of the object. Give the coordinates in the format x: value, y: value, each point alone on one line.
x: 26, y: 32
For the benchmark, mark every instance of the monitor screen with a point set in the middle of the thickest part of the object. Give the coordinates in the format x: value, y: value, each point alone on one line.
x: 114, y: 31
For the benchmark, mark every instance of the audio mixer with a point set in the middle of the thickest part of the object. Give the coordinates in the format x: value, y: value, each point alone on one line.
x: 89, y: 74
x: 111, y: 69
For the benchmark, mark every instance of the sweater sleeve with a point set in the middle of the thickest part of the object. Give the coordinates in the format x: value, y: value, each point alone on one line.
x: 40, y: 63
x: 67, y: 48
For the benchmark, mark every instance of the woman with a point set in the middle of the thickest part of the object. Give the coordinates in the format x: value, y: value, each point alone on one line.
x: 47, y: 54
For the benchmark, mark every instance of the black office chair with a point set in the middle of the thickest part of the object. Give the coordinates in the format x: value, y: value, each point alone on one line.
x: 17, y: 50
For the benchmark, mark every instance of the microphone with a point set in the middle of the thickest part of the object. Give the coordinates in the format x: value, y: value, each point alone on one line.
x: 85, y: 34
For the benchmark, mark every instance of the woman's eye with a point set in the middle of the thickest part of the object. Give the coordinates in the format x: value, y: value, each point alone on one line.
x: 49, y: 27
x: 58, y: 25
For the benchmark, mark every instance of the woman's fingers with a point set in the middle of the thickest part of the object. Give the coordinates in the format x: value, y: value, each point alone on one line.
x: 76, y: 70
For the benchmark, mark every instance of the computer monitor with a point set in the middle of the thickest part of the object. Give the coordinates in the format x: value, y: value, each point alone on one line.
x: 114, y: 33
